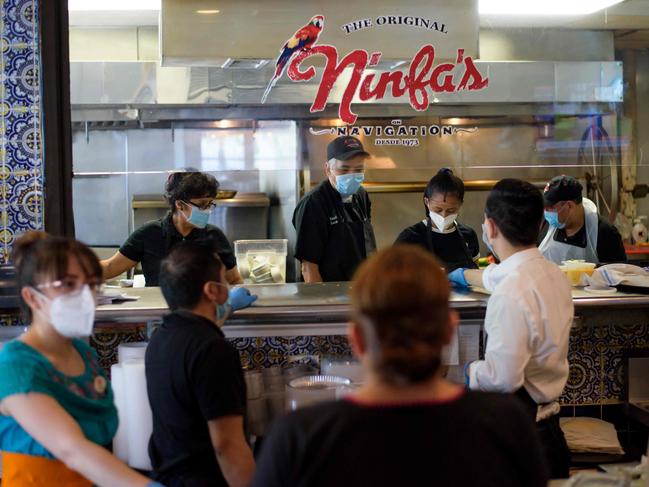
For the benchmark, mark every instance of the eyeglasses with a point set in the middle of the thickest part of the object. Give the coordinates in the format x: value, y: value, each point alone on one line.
x: 209, y: 206
x: 71, y: 286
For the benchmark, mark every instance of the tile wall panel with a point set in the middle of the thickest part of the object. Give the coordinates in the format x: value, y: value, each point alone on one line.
x: 21, y: 161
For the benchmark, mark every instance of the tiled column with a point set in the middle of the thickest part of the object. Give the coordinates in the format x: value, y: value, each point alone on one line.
x: 21, y: 168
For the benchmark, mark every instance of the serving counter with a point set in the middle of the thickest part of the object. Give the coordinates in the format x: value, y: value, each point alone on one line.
x: 298, y: 309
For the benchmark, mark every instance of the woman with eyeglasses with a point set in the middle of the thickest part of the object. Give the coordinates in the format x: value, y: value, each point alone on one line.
x: 191, y: 197
x: 56, y: 405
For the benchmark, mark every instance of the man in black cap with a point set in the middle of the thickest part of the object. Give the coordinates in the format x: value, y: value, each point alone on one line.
x: 575, y: 230
x: 333, y: 221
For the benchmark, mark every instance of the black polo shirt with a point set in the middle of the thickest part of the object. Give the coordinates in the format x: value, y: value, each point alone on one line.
x: 335, y: 234
x: 455, y: 249
x: 193, y: 376
x: 610, y: 248
x: 153, y: 241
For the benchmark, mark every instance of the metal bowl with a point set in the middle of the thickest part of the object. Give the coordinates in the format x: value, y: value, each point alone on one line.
x: 224, y: 194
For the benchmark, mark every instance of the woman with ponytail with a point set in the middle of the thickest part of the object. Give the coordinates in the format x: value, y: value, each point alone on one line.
x: 405, y: 425
x: 452, y: 242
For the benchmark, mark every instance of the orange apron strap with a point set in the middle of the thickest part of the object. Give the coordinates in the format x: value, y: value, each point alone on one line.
x: 20, y: 470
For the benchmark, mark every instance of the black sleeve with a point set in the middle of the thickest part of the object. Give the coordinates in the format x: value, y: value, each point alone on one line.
x: 222, y: 247
x: 312, y: 228
x: 277, y: 458
x: 217, y: 381
x: 610, y: 248
x: 134, y: 246
x: 544, y: 231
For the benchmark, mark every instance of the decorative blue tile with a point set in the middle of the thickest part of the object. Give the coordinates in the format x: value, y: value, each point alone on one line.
x: 24, y: 193
x: 19, y: 21
x: 584, y: 382
x: 23, y: 91
x: 20, y: 63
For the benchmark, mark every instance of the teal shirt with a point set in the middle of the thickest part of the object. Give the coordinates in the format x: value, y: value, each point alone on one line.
x: 88, y: 398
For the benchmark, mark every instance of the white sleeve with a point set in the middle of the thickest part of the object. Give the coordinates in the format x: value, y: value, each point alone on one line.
x: 508, y: 347
x: 486, y: 277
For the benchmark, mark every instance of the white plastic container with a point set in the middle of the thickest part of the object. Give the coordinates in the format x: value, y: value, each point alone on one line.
x: 262, y: 261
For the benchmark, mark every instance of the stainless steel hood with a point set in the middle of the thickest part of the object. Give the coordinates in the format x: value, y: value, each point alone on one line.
x: 144, y: 90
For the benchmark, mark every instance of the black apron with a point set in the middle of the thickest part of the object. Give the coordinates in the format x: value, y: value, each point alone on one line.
x: 553, y: 442
x: 462, y: 259
x: 351, y: 240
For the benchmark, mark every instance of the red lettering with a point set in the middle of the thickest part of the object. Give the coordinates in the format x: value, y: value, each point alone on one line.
x: 422, y: 76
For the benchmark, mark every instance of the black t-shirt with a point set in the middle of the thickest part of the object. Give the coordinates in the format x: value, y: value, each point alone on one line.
x: 479, y: 439
x: 445, y: 246
x: 610, y: 248
x: 153, y: 241
x: 193, y: 376
x: 335, y: 235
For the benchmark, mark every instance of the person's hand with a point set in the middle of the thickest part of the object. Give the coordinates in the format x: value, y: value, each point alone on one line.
x: 457, y: 278
x: 240, y: 298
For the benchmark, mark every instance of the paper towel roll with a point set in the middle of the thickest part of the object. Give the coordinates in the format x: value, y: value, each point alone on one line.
x: 120, y: 442
x: 138, y: 414
x: 131, y: 351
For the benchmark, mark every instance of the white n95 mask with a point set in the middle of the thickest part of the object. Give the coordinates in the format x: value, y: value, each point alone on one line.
x: 442, y: 223
x: 72, y: 315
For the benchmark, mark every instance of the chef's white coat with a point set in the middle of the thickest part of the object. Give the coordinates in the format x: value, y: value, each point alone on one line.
x: 528, y: 320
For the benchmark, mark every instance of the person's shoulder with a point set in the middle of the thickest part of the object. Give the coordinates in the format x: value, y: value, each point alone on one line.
x: 466, y: 230
x: 213, y: 231
x: 316, y: 417
x: 606, y: 227
x: 149, y: 228
x: 317, y: 197
x: 415, y: 231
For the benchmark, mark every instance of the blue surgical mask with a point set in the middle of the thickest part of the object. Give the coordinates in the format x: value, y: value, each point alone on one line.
x: 485, y: 239
x: 198, y: 217
x: 223, y: 310
x: 552, y: 217
x: 348, y: 184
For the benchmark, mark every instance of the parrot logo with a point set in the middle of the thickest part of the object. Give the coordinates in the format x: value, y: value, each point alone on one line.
x: 302, y: 40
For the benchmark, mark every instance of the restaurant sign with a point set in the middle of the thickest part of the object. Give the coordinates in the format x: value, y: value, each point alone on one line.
x: 424, y: 77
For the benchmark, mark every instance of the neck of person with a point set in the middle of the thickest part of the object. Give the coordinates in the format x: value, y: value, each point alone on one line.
x: 180, y: 222
x: 43, y: 337
x: 575, y: 221
x: 375, y: 390
x: 204, y: 309
x: 508, y: 250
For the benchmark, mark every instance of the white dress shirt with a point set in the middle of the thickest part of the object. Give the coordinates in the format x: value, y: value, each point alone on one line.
x: 528, y: 320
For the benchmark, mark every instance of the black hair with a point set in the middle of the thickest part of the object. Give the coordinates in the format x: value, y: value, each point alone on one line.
x: 40, y: 258
x: 184, y: 186
x: 516, y: 207
x: 444, y: 182
x: 184, y: 272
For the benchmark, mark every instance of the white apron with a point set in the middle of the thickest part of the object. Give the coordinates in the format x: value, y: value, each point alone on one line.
x: 557, y: 252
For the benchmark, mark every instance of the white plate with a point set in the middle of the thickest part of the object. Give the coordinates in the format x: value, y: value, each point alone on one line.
x: 600, y: 290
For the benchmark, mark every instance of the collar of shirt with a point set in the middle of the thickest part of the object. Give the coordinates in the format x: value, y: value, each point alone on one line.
x: 184, y: 318
x: 171, y: 231
x: 495, y: 273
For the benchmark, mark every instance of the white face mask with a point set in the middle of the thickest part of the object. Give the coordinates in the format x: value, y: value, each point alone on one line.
x: 442, y: 223
x: 71, y: 315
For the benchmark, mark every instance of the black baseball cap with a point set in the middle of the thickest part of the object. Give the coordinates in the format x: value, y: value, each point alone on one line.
x: 562, y: 188
x: 344, y: 148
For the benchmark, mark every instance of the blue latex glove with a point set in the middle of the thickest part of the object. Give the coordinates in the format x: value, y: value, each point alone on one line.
x: 154, y: 484
x: 457, y: 278
x: 467, y: 377
x: 240, y: 298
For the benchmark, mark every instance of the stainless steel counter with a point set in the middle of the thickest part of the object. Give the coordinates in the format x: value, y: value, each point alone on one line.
x: 297, y: 309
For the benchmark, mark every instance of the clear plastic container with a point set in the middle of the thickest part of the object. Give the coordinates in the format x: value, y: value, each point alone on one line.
x: 576, y: 270
x: 262, y: 261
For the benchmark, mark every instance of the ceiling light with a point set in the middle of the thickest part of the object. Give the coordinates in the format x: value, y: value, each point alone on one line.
x: 111, y: 5
x: 545, y: 8
x: 207, y: 12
